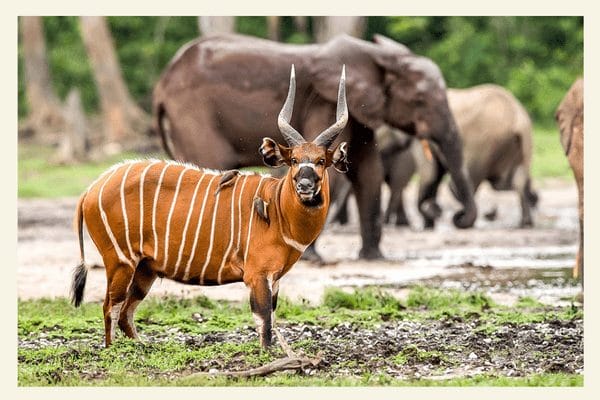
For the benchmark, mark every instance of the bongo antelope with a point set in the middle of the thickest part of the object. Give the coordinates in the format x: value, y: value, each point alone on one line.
x: 154, y: 218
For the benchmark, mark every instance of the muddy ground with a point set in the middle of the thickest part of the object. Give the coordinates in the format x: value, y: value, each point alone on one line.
x: 495, y: 257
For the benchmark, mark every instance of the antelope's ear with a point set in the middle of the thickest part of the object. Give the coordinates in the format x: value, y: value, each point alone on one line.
x: 339, y: 157
x: 273, y: 154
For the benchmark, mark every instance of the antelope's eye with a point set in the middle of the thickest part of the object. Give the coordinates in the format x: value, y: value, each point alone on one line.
x: 294, y: 161
x: 321, y: 161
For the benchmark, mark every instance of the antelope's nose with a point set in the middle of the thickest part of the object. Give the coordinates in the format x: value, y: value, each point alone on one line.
x: 305, y: 185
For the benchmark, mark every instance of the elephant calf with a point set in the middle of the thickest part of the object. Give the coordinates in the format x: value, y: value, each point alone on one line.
x: 569, y: 117
x: 497, y: 145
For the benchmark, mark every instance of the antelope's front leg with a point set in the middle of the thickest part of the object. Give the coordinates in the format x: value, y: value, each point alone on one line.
x: 261, y: 304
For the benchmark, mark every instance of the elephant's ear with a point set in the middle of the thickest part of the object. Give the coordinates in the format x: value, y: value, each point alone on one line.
x: 365, y: 93
x: 391, y: 44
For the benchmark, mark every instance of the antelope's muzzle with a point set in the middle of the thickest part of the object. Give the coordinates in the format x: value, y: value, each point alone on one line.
x: 307, y: 183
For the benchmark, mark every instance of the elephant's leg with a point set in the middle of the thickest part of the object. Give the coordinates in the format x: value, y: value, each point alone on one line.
x: 401, y: 218
x: 389, y: 211
x: 402, y: 169
x: 451, y: 151
x: 521, y: 183
x: 366, y: 175
x: 341, y: 203
x: 311, y: 254
x: 431, y: 176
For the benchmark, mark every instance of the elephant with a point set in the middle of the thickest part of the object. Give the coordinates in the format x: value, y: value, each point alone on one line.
x: 569, y: 117
x: 220, y: 95
x: 497, y: 137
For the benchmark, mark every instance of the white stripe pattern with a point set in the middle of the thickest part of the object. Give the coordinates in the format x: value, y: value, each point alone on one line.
x: 240, y: 214
x: 162, y: 174
x: 250, y: 222
x: 185, y: 228
x: 212, y: 237
x: 114, y: 242
x: 124, y: 210
x: 168, y: 229
x: 186, y: 275
x: 142, y: 178
x: 230, y: 233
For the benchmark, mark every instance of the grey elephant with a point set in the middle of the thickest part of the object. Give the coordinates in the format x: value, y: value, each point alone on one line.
x: 569, y: 117
x: 220, y: 95
x: 497, y: 146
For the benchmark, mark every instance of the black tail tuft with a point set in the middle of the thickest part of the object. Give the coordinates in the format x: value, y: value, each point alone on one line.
x: 78, y: 284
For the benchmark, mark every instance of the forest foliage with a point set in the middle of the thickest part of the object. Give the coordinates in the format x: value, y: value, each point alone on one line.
x: 537, y: 58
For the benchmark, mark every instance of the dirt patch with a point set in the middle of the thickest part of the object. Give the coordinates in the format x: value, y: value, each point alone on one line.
x: 496, y: 251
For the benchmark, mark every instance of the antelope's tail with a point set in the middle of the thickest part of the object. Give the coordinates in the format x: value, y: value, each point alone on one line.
x: 80, y: 272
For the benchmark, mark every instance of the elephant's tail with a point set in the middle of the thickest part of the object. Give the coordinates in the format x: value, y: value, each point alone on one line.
x: 162, y: 125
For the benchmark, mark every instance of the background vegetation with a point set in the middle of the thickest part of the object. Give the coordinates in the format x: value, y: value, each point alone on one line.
x: 537, y: 58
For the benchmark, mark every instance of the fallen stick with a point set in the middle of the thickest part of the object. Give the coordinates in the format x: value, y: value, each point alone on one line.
x: 291, y: 362
x: 282, y: 364
x: 284, y: 344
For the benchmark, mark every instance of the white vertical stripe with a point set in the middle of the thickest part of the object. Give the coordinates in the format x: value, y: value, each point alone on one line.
x: 124, y: 210
x: 185, y: 228
x: 230, y: 233
x: 212, y: 238
x: 167, y: 230
x: 189, y: 263
x: 142, y: 178
x: 162, y: 174
x: 240, y: 213
x: 114, y: 242
x: 251, y: 217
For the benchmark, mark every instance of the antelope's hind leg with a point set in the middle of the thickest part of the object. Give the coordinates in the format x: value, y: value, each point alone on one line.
x: 118, y: 279
x: 143, y: 279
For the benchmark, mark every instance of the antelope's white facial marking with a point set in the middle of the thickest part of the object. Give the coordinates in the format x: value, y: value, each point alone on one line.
x: 308, y: 164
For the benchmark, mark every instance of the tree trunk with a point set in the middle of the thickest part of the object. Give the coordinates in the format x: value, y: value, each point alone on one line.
x: 301, y: 23
x: 273, y: 27
x: 330, y: 26
x: 74, y: 141
x: 45, y: 114
x: 124, y: 121
x: 215, y: 25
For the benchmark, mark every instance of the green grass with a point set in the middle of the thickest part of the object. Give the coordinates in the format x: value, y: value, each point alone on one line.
x: 74, y: 356
x: 38, y: 177
x: 548, y: 160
